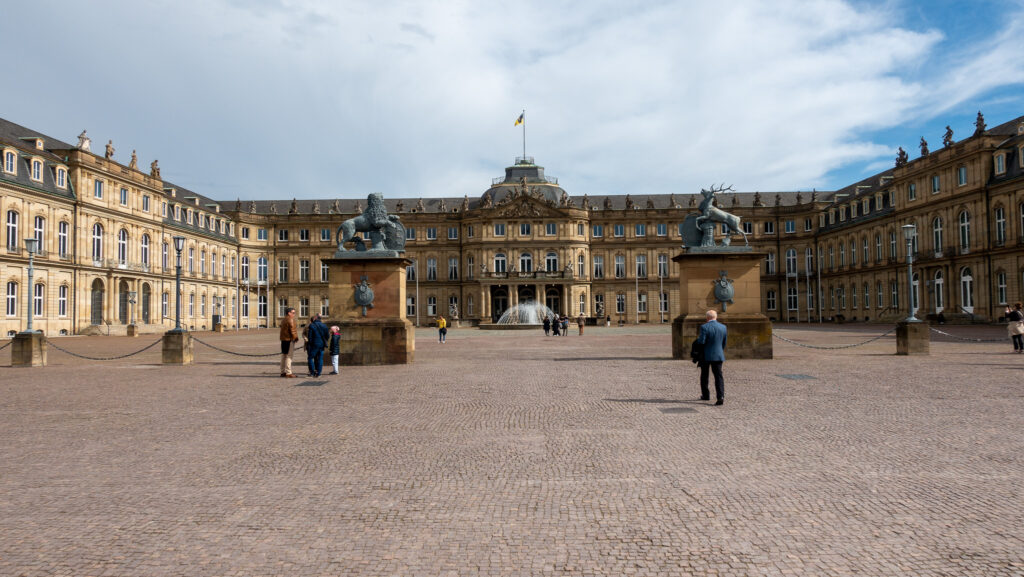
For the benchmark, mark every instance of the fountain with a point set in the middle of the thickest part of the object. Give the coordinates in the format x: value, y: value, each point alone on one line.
x: 524, y: 316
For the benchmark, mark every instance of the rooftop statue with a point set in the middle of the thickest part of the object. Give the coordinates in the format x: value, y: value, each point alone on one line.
x: 154, y: 169
x: 84, y: 142
x: 385, y: 231
x: 901, y: 158
x: 947, y: 139
x: 924, y: 147
x: 134, y: 162
x: 979, y: 125
x: 110, y: 150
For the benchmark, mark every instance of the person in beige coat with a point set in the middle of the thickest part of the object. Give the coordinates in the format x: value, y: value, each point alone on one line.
x: 289, y: 336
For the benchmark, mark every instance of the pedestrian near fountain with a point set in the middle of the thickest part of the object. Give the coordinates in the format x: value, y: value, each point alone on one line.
x: 555, y: 324
x: 565, y: 326
x: 442, y: 329
x: 547, y: 326
x: 1015, y: 328
x: 319, y: 338
x: 289, y: 336
x: 335, y: 347
x: 579, y: 322
x: 712, y: 335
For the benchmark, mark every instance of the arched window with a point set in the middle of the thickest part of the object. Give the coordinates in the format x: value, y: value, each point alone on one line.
x: 526, y: 262
x: 122, y: 246
x: 551, y: 262
x: 37, y: 170
x: 938, y: 292
x: 791, y: 261
x: 97, y: 242
x: 500, y: 262
x: 967, y: 289
x: 144, y: 250
x: 965, y: 231
x: 12, y: 230
x: 9, y: 162
x: 62, y: 238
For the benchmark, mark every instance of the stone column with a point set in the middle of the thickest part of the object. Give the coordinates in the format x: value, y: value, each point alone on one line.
x: 912, y: 338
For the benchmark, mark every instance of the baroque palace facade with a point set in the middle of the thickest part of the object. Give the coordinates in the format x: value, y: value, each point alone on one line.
x: 107, y: 257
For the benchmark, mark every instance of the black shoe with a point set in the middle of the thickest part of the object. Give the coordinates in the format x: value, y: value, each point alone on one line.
x: 705, y: 398
x: 720, y: 402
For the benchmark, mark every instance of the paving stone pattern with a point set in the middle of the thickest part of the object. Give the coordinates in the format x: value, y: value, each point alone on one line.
x: 515, y: 454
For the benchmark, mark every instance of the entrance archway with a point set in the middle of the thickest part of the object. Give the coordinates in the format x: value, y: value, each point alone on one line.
x: 96, y: 316
x: 553, y: 299
x: 526, y: 293
x: 499, y: 302
x: 147, y: 294
x: 122, y: 302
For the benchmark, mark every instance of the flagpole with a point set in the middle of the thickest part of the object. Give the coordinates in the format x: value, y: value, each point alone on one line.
x: 524, y: 135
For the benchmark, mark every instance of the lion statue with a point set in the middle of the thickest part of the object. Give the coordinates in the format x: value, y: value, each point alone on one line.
x: 384, y: 230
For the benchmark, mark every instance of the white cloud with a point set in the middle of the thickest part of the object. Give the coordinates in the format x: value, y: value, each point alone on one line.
x: 280, y: 99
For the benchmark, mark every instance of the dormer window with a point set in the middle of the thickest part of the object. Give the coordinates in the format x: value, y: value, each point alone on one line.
x: 10, y: 161
x: 37, y: 170
x: 1000, y: 163
x: 39, y: 144
x: 62, y: 177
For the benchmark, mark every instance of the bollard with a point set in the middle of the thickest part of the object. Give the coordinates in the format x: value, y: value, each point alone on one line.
x: 28, y: 350
x: 178, y: 348
x: 912, y: 338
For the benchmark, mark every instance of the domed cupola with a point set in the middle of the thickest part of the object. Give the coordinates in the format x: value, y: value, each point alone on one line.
x: 524, y: 172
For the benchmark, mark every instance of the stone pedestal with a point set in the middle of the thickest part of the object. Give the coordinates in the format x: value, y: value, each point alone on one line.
x: 383, y: 335
x: 913, y: 338
x: 178, y: 348
x: 218, y: 327
x: 133, y: 330
x: 750, y: 332
x: 28, y: 350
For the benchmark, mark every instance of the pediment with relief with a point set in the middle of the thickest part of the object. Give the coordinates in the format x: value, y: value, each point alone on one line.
x: 526, y: 206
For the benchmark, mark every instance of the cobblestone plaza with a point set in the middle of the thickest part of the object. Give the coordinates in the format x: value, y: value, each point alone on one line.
x: 540, y: 456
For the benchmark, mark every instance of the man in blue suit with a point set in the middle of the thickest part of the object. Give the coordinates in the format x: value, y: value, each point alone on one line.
x: 712, y: 335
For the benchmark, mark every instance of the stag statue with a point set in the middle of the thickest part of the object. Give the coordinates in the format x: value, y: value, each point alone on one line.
x: 711, y: 213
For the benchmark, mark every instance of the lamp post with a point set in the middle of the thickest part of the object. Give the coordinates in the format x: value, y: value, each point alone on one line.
x: 908, y: 233
x: 32, y: 247
x: 179, y: 245
x: 132, y: 295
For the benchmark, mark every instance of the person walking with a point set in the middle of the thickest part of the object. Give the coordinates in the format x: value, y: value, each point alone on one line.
x: 319, y: 338
x: 289, y: 336
x: 555, y: 326
x: 442, y: 329
x: 335, y: 348
x: 565, y: 326
x: 1015, y: 328
x: 547, y: 326
x: 579, y: 323
x: 712, y: 335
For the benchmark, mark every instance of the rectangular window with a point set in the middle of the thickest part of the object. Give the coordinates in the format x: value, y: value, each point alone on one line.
x: 499, y: 229
x: 662, y: 229
x: 469, y: 231
x: 640, y: 230
x: 62, y: 301
x: 892, y: 245
x: 619, y: 230
x: 598, y: 267
x: 808, y: 225
x: 145, y: 203
x: 324, y: 272
x: 453, y: 232
x: 551, y: 229
x: 524, y: 229
x: 790, y: 226
x: 598, y: 231
x: 410, y: 234
x: 641, y: 303
x: 662, y: 266
x: 97, y: 189
x: 431, y: 233
x: 961, y: 175
x: 911, y: 191
x: 410, y: 272
x: 282, y: 271
x: 620, y: 303
x: 936, y: 184
x: 581, y: 229
x: 304, y: 234
x: 124, y: 196
x: 748, y: 227
x: 453, y: 268
x: 164, y: 309
x: 431, y: 269
x: 191, y: 260
x: 325, y: 234
x: 620, y: 266
x: 303, y: 307
x: 641, y: 266
x: 62, y: 239
x: 410, y: 306
x: 303, y: 270
x: 282, y: 235
x: 469, y: 267
x: 192, y: 305
x: 662, y: 302
x: 769, y: 227
x: 770, y: 300
x: 431, y: 306
x: 1001, y: 163
x: 261, y: 234
x: 1000, y: 287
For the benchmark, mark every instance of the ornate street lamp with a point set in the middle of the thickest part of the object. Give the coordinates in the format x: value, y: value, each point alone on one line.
x: 32, y: 247
x: 179, y: 245
x: 909, y: 231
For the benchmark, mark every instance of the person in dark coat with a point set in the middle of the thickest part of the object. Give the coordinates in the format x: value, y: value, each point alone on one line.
x: 555, y: 324
x: 319, y: 338
x: 712, y: 336
x: 547, y: 326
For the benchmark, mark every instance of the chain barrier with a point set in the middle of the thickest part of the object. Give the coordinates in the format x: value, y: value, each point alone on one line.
x: 871, y: 340
x: 232, y: 352
x: 7, y: 345
x: 967, y: 339
x: 52, y: 344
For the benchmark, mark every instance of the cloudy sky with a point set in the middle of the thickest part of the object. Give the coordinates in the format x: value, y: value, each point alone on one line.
x: 274, y: 99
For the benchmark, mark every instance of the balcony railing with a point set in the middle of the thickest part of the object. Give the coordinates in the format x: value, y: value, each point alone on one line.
x: 532, y: 274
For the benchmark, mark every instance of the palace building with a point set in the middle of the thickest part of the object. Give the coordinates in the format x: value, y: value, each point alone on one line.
x: 107, y: 257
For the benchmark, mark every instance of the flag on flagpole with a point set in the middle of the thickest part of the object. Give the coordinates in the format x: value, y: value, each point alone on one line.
x: 521, y: 119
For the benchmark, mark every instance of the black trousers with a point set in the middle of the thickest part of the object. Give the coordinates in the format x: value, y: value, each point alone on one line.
x: 716, y: 368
